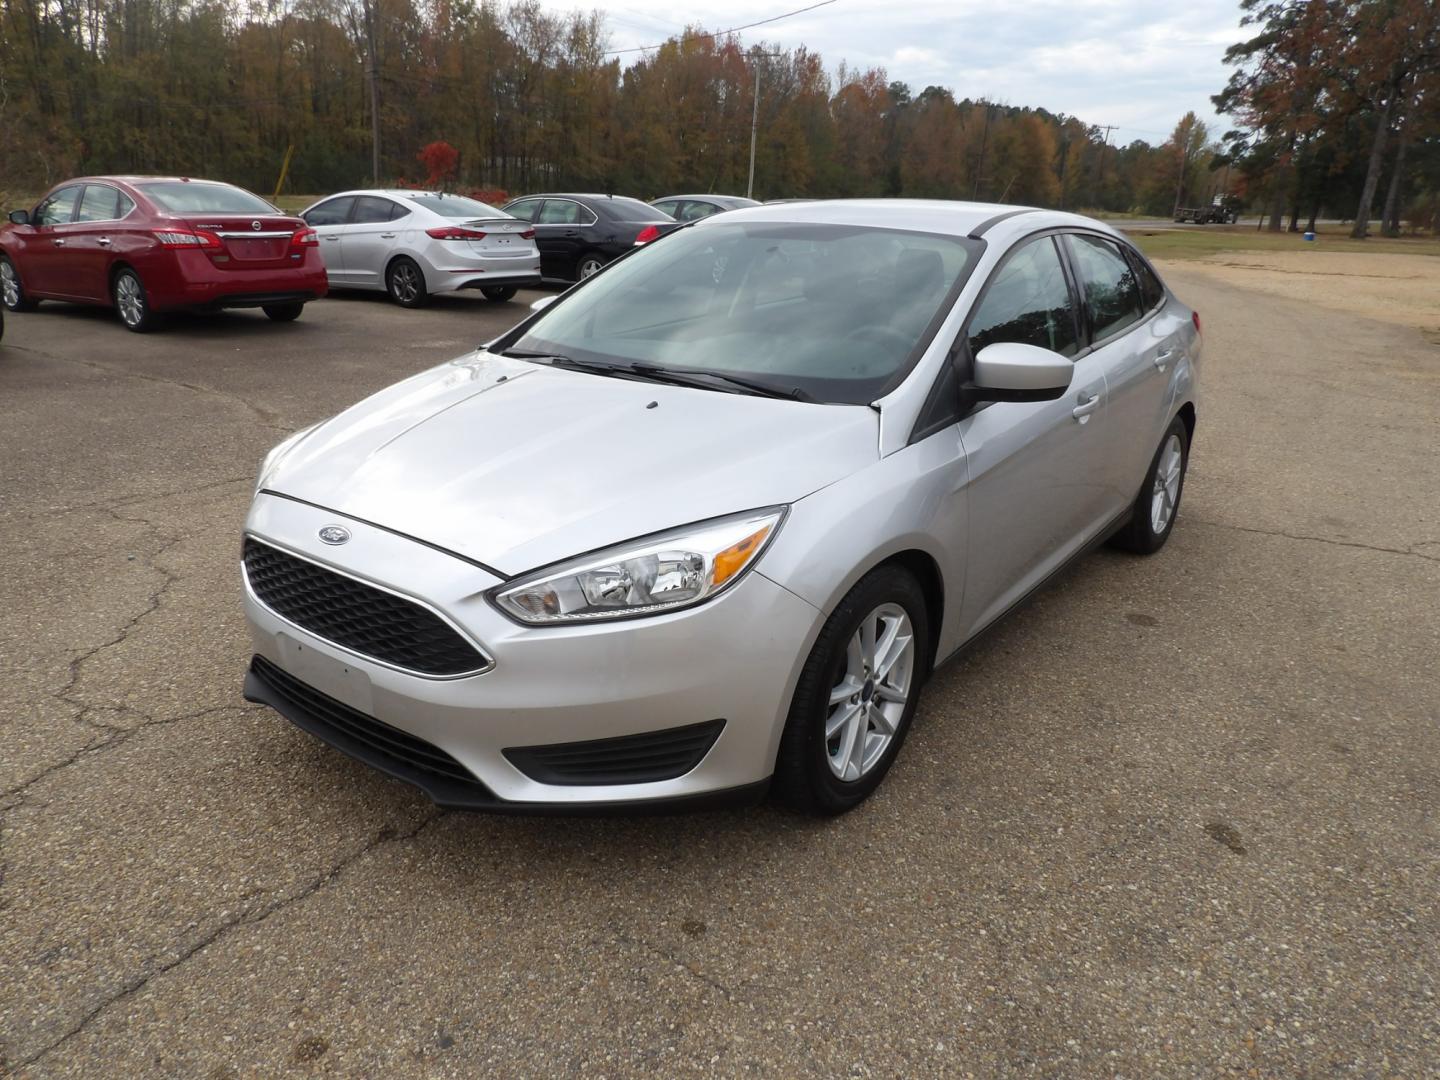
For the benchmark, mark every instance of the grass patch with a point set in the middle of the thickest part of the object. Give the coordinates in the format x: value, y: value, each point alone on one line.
x: 1198, y: 241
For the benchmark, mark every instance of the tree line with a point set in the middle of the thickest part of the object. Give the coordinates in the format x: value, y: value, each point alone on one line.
x: 1338, y: 110
x: 530, y: 99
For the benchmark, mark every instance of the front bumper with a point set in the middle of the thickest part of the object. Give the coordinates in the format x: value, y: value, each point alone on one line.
x: 734, y: 659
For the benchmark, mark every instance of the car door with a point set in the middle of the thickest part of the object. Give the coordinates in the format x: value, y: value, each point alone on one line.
x: 328, y: 219
x: 90, y: 246
x: 558, y: 236
x: 1037, y: 470
x: 369, y: 240
x: 1134, y: 348
x: 46, y: 263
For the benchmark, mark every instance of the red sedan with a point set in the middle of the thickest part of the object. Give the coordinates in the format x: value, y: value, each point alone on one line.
x: 148, y: 244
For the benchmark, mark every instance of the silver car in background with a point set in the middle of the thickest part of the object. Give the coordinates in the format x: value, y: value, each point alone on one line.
x: 705, y: 523
x: 414, y: 244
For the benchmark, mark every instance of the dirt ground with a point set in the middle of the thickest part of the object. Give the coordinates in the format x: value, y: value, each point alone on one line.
x: 1399, y: 289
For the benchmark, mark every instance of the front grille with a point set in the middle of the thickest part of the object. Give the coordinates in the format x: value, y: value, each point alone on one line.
x: 402, y: 752
x: 629, y: 759
x: 360, y: 617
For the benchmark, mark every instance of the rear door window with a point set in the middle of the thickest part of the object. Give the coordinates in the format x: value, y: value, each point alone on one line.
x: 370, y: 210
x: 59, y: 207
x: 1028, y: 301
x: 1151, y: 291
x: 1112, y: 295
x: 102, y: 203
x: 559, y: 212
x: 330, y: 212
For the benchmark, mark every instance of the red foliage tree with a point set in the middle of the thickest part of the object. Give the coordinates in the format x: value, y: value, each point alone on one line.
x: 440, y: 160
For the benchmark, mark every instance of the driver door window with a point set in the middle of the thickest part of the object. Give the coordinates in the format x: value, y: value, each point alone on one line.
x: 1029, y: 302
x: 58, y: 208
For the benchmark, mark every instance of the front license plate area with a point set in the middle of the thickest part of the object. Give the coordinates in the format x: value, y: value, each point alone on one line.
x: 336, y: 678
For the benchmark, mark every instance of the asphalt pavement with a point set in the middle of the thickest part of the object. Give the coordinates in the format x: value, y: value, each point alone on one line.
x: 1177, y: 817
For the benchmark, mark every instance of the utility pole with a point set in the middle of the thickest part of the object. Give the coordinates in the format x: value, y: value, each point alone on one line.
x: 370, y: 6
x: 756, y: 57
x: 984, y: 139
x: 1104, y: 146
x: 1184, y: 166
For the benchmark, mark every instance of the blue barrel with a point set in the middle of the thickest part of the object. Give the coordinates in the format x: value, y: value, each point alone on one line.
x: 1310, y: 236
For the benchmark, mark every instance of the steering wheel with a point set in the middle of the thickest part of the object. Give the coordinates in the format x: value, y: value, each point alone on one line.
x: 881, y: 334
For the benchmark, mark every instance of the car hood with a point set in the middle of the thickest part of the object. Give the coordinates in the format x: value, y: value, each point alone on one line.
x: 518, y: 465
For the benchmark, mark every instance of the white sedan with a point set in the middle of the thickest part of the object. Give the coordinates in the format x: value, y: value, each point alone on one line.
x: 413, y: 244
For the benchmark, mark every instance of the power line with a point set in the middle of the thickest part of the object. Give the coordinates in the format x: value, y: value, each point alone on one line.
x: 722, y: 33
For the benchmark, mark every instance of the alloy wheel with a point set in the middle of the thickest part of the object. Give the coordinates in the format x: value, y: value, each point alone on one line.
x: 1166, y: 491
x: 405, y: 282
x: 589, y: 267
x: 867, y: 704
x: 9, y: 285
x: 130, y: 299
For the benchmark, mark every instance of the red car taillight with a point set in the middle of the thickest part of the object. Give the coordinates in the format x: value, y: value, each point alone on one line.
x: 1195, y: 318
x: 188, y: 238
x: 303, y: 238
x: 454, y: 232
x: 650, y: 232
x: 528, y: 234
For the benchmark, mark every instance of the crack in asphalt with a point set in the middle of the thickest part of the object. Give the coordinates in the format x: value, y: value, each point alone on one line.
x: 676, y: 962
x: 137, y: 984
x: 126, y: 500
x: 1326, y: 540
x: 269, y: 419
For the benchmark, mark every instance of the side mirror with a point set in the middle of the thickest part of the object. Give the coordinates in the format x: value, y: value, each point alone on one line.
x: 1010, y: 371
x: 543, y: 303
x: 20, y: 217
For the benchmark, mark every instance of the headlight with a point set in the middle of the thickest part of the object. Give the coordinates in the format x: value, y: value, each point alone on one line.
x: 279, y: 451
x: 644, y: 577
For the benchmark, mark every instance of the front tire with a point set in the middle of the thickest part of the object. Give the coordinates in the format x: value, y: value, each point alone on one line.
x: 1153, y: 515
x: 12, y: 290
x: 856, y: 696
x: 499, y: 293
x: 283, y: 312
x: 405, y: 282
x: 132, y: 303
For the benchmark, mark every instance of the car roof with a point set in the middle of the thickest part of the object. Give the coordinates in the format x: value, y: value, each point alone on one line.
x: 919, y: 215
x: 708, y: 197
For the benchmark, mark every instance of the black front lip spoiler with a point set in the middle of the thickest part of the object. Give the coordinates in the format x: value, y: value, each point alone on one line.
x: 455, y: 796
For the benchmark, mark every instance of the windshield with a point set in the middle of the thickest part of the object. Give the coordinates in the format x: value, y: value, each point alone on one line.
x: 839, y: 312
x: 456, y: 206
x: 190, y: 197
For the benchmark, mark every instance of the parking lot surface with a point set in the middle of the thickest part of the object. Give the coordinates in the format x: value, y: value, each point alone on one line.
x: 1177, y: 816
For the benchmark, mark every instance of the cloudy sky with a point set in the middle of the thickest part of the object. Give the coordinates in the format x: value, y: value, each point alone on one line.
x: 1137, y: 64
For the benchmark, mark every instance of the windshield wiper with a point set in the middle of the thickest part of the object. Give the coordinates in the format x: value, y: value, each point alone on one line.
x: 655, y: 373
x: 698, y: 378
x: 599, y: 367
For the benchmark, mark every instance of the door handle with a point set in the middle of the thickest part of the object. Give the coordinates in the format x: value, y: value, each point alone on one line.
x: 1088, y: 405
x: 58, y: 243
x: 387, y: 236
x: 103, y: 241
x: 571, y: 232
x: 1163, y: 358
x: 332, y: 239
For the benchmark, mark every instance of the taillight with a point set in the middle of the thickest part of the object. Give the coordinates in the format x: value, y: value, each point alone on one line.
x: 528, y: 234
x: 454, y: 232
x: 648, y: 233
x: 1195, y: 318
x: 303, y: 238
x: 188, y: 238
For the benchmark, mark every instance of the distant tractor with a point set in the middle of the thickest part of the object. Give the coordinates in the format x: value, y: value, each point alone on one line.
x: 1223, y: 210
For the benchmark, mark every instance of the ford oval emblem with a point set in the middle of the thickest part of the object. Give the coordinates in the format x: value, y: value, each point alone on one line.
x: 334, y: 534
x: 256, y: 226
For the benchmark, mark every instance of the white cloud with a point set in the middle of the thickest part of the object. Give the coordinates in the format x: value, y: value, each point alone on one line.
x: 1124, y: 62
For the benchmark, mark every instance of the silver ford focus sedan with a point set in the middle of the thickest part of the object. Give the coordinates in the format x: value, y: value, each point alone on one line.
x: 705, y: 524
